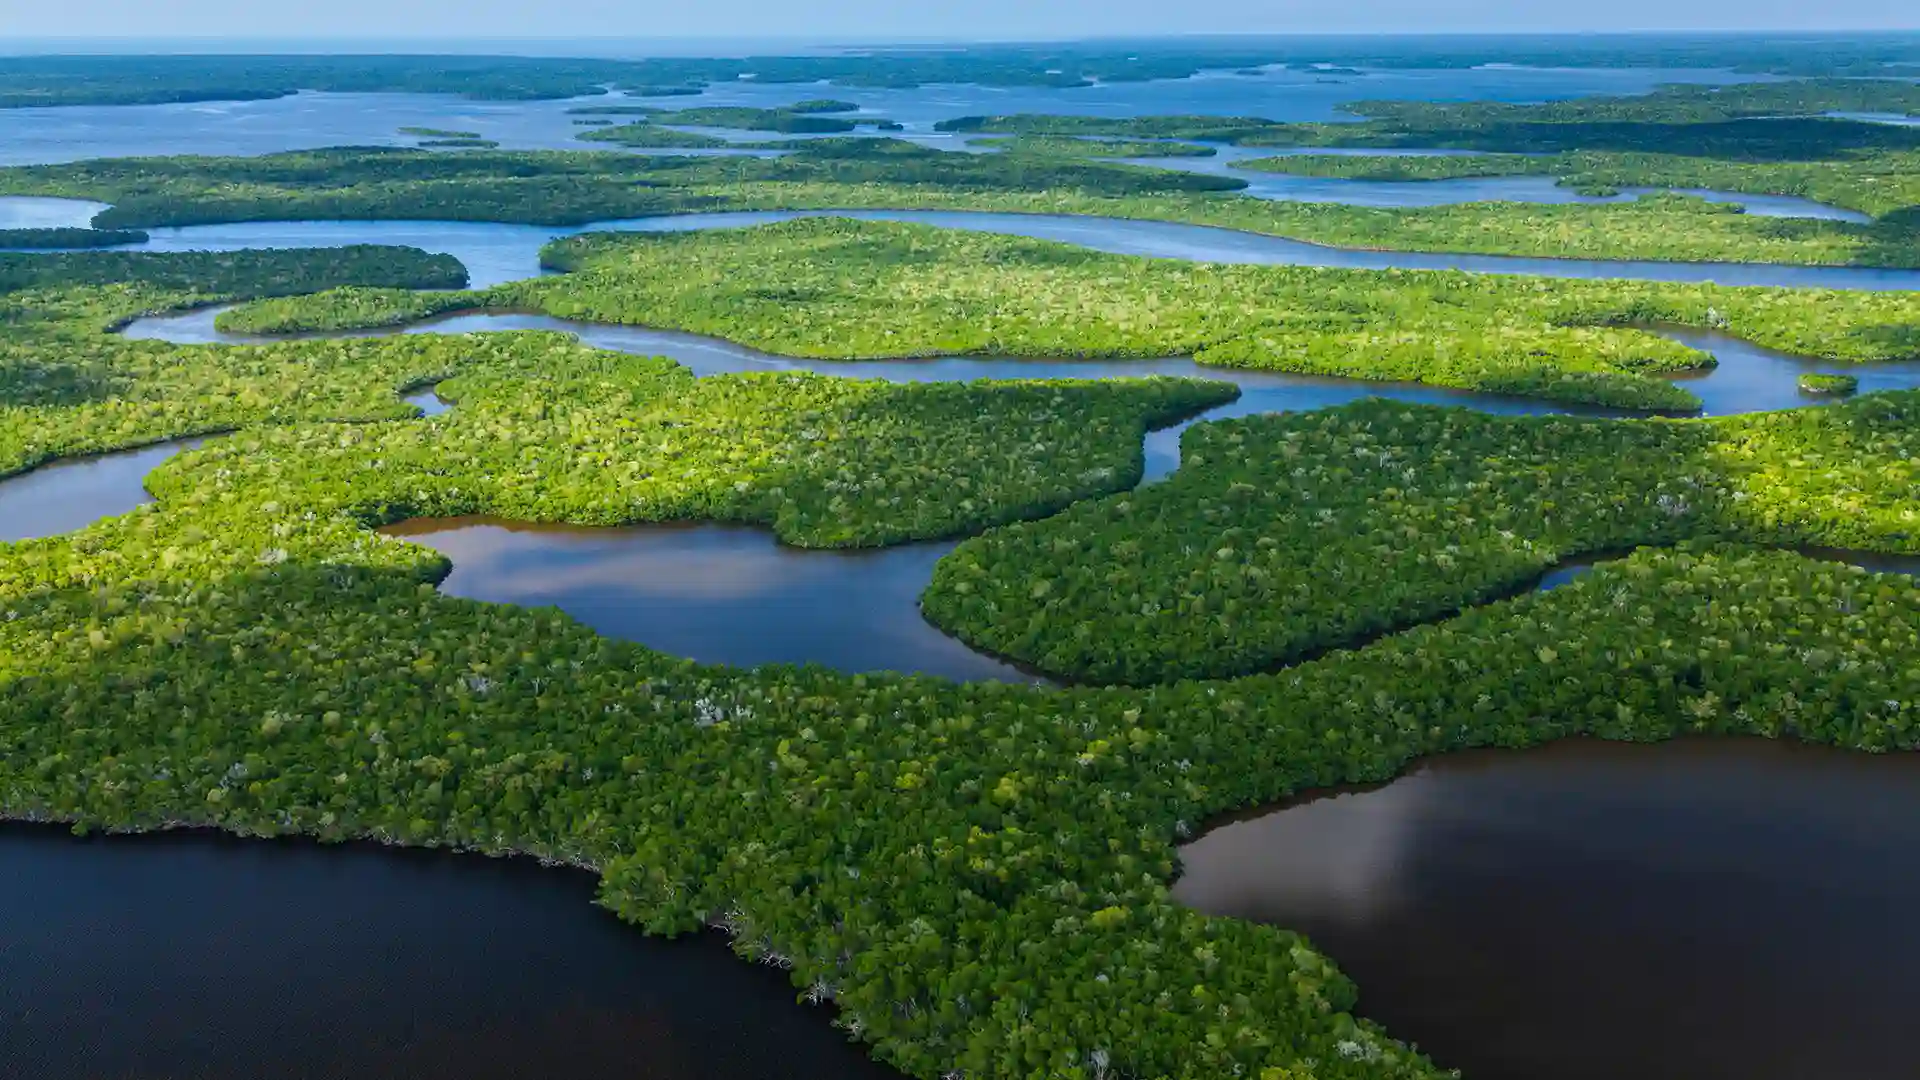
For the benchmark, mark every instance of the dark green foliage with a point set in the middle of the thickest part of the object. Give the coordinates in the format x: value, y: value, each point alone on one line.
x: 1281, y: 537
x: 50, y: 239
x: 236, y: 273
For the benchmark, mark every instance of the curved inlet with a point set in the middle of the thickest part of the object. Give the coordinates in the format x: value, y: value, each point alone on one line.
x: 498, y: 253
x: 68, y: 495
x: 1749, y: 378
x: 231, y: 959
x: 714, y: 593
x: 35, y: 212
x: 72, y: 494
x: 1589, y: 910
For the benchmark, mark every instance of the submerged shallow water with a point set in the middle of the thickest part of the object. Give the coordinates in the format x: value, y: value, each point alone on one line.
x: 196, y: 955
x: 1712, y: 909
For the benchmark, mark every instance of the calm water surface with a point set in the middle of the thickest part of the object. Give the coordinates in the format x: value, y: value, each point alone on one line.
x: 497, y: 253
x: 311, y: 120
x: 718, y: 594
x: 160, y: 958
x: 1703, y: 910
x: 69, y: 495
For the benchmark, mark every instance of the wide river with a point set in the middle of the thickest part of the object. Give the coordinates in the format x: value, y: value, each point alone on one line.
x: 1701, y: 911
x: 496, y: 253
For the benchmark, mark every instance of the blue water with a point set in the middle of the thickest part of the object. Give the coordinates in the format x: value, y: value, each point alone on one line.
x: 309, y: 120
x: 498, y: 253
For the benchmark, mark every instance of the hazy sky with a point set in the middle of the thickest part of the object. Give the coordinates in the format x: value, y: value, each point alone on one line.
x: 908, y: 19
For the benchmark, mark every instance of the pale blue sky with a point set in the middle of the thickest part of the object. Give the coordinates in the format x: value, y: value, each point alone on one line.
x: 910, y: 19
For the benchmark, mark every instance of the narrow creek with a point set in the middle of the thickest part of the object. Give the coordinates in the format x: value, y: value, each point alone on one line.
x: 690, y: 590
x: 1706, y: 909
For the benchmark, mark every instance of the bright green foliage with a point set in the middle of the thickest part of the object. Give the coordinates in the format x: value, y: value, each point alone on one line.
x: 977, y: 876
x: 68, y: 388
x: 859, y: 173
x: 205, y: 276
x: 843, y: 289
x: 548, y: 430
x: 1877, y: 183
x: 1816, y: 383
x: 438, y: 133
x: 1283, y: 536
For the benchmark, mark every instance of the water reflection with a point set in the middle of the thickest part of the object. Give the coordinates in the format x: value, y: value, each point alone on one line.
x: 72, y: 494
x: 1703, y: 910
x: 499, y: 253
x: 33, y: 212
x: 717, y: 594
x: 220, y: 959
x: 1748, y: 378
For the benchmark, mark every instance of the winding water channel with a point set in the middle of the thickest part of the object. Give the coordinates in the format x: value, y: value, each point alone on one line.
x: 495, y: 253
x: 1701, y: 911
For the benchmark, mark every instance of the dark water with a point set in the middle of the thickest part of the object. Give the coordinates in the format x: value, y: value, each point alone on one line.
x: 73, y: 494
x: 498, y: 253
x: 718, y: 594
x: 1703, y: 910
x: 305, y: 121
x: 217, y: 959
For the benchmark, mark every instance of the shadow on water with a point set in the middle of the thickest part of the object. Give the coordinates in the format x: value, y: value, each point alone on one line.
x: 1708, y: 909
x: 289, y: 959
x: 713, y: 593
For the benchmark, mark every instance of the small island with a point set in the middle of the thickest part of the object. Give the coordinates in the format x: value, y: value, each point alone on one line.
x: 1828, y: 385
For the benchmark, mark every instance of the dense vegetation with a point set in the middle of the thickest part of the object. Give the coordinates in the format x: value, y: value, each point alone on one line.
x: 1096, y: 147
x: 644, y: 134
x: 1284, y: 536
x: 54, y: 239
x: 975, y: 876
x: 1877, y: 183
x: 438, y: 133
x: 852, y: 173
x: 789, y: 121
x: 1758, y: 138
x: 124, y: 80
x: 1817, y: 383
x: 66, y: 388
x: 835, y: 288
x: 208, y: 276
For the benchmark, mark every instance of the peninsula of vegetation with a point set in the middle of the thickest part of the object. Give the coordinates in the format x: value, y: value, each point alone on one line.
x: 973, y: 880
